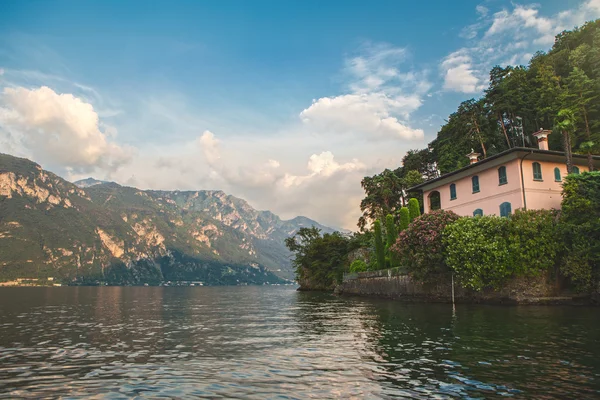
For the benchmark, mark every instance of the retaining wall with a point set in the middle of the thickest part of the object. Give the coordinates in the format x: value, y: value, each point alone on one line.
x: 395, y: 284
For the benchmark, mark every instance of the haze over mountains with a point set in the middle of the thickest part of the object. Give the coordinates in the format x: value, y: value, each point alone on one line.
x: 95, y: 231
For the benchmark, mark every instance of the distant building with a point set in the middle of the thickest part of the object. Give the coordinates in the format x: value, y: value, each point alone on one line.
x: 516, y: 178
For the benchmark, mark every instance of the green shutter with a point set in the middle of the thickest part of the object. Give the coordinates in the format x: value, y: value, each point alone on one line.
x: 478, y: 213
x: 505, y: 209
x: 537, y: 171
x: 502, y: 179
x: 475, y: 181
x: 557, y: 177
x: 452, y: 191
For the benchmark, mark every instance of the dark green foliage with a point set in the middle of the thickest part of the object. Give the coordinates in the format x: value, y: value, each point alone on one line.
x: 383, y: 194
x: 533, y: 241
x: 320, y: 260
x: 404, y: 218
x: 414, y: 210
x: 358, y: 266
x: 521, y: 100
x: 391, y: 235
x: 580, y: 228
x: 486, y: 251
x: 476, y: 249
x: 420, y: 248
x: 379, y: 246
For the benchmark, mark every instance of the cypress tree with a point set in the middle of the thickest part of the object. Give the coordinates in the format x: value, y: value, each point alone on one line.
x: 379, y: 248
x: 414, y: 210
x: 404, y: 218
x: 392, y: 235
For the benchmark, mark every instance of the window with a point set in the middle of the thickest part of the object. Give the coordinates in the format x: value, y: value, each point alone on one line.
x: 475, y: 181
x: 502, y: 180
x: 453, y: 192
x: 537, y: 171
x: 478, y: 213
x: 557, y: 177
x: 505, y: 209
x: 575, y: 170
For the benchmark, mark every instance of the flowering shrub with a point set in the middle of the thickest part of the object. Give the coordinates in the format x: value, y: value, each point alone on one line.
x: 419, y: 247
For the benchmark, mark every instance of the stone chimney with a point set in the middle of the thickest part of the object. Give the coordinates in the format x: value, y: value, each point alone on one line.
x: 473, y: 156
x: 542, y: 138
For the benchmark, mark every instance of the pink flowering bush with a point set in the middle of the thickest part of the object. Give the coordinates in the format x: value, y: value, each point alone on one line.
x: 420, y: 248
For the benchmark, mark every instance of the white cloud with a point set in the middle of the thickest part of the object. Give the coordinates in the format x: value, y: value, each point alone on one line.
x: 482, y: 10
x: 59, y: 129
x: 380, y: 101
x: 210, y: 147
x: 367, y: 114
x: 459, y: 74
x: 509, y: 36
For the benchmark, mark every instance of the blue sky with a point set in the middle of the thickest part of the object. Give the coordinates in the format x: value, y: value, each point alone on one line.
x: 286, y: 104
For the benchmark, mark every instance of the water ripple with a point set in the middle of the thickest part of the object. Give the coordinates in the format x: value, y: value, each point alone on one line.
x: 256, y: 343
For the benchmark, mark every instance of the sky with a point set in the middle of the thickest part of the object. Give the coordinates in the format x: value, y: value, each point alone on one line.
x: 286, y: 104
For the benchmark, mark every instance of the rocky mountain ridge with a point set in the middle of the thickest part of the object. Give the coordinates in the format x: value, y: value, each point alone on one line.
x: 105, y: 232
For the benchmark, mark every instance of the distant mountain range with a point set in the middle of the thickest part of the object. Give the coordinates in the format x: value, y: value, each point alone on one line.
x: 101, y: 232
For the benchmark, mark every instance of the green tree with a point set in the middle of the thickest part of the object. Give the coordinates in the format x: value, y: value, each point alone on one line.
x: 319, y: 260
x: 379, y: 247
x: 565, y: 123
x: 414, y: 210
x: 582, y: 96
x: 391, y: 235
x: 580, y: 227
x: 384, y: 193
x: 404, y: 218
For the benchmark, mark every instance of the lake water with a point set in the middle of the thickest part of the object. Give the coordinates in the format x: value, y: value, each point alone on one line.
x: 274, y: 342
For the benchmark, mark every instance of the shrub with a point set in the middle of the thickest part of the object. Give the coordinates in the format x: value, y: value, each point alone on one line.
x: 358, y: 266
x: 420, y: 248
x: 414, y: 209
x: 379, y: 247
x: 533, y: 241
x: 391, y: 236
x: 580, y: 229
x: 404, y: 218
x: 476, y: 249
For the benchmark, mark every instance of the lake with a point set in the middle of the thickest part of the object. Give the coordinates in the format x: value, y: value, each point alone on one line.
x: 275, y: 342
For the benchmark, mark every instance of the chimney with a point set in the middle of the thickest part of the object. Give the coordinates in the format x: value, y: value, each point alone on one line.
x: 473, y: 156
x: 542, y: 138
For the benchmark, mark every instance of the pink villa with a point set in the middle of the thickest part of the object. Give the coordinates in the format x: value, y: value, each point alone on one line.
x: 517, y: 178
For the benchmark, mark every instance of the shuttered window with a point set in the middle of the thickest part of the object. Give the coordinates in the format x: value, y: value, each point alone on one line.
x: 478, y: 213
x: 575, y: 170
x: 557, y: 177
x: 475, y: 181
x: 537, y: 171
x: 505, y: 209
x: 502, y: 179
x: 452, y: 192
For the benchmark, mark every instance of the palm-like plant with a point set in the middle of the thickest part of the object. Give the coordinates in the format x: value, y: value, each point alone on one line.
x: 566, y: 124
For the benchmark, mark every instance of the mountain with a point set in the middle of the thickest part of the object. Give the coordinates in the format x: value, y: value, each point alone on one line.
x: 105, y: 232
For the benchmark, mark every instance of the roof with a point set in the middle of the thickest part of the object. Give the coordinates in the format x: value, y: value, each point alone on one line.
x: 505, y: 153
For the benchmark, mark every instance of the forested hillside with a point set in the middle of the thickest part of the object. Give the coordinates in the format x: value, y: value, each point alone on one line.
x: 558, y: 90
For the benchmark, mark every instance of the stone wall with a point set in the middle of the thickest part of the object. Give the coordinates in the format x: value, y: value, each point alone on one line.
x: 395, y: 284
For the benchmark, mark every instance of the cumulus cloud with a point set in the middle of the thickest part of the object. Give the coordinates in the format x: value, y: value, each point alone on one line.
x: 380, y: 101
x: 459, y: 73
x: 59, y: 129
x: 368, y: 114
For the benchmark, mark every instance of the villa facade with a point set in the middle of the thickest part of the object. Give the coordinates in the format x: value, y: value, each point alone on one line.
x: 517, y: 178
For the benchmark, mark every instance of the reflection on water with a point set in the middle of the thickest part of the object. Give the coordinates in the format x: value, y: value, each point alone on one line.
x: 266, y: 342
